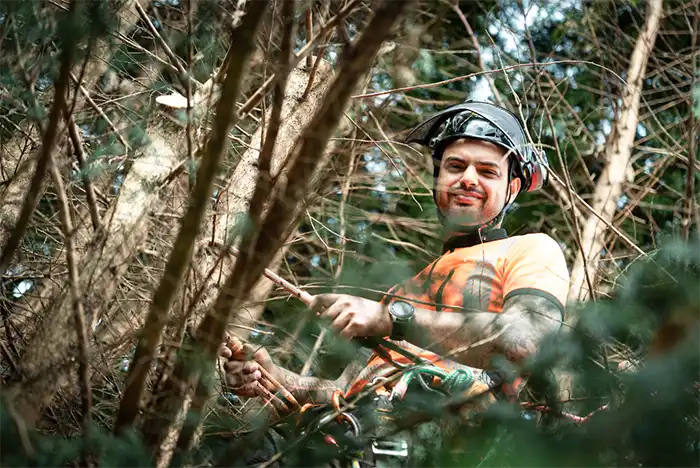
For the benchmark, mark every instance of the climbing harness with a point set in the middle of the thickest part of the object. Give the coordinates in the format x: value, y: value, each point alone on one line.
x: 361, y: 434
x: 354, y: 433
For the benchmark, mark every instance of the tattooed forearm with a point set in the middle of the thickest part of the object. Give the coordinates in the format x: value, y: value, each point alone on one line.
x: 317, y: 390
x: 308, y: 389
x: 474, y: 339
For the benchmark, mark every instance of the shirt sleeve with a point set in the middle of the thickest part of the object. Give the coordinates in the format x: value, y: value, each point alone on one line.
x: 535, y: 264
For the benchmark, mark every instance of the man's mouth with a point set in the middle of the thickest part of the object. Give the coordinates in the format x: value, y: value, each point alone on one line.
x: 467, y: 198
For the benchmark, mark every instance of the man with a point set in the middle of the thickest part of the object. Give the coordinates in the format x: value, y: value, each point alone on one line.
x: 487, y: 296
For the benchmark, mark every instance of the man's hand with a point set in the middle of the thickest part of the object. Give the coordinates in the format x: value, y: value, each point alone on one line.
x: 243, y: 373
x: 353, y: 316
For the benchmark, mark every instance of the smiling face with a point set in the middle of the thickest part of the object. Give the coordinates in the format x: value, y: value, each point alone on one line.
x: 473, y: 182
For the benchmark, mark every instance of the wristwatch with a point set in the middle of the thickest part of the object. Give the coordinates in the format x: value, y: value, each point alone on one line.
x: 402, y: 314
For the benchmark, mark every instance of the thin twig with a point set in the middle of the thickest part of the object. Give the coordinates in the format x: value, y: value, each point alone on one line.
x: 188, y: 84
x: 102, y: 114
x: 300, y: 294
x: 622, y: 235
x: 567, y: 176
x: 48, y: 143
x: 279, y: 386
x: 8, y: 357
x: 82, y: 163
x: 317, y: 62
x: 309, y: 31
x: 690, y: 175
x: 181, y: 255
x: 314, y: 351
x: 76, y: 298
x: 308, y: 155
x: 571, y: 417
x: 326, y: 27
x: 517, y: 66
x: 477, y: 48
x: 184, y: 76
x: 263, y: 186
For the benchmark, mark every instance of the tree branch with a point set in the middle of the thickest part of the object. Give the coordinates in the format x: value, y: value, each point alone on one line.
x: 76, y: 300
x: 47, y: 146
x: 181, y: 254
x: 307, y: 153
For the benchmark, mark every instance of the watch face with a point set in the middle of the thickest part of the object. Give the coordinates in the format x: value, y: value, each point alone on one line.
x: 402, y: 310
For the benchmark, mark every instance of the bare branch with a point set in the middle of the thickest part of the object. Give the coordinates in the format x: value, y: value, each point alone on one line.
x: 308, y: 153
x: 690, y: 201
x: 181, y: 254
x: 47, y: 146
x: 617, y: 154
x: 82, y: 164
x: 76, y: 297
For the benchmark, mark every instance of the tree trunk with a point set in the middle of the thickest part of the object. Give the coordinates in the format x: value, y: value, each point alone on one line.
x: 233, y: 205
x: 259, y: 248
x: 617, y: 154
x: 12, y: 197
x: 46, y: 362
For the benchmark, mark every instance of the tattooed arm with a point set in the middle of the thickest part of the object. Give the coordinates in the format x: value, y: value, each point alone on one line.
x: 471, y: 338
x: 475, y: 338
x: 317, y: 390
x: 244, y: 376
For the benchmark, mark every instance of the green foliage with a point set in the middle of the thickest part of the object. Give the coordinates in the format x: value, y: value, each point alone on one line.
x: 652, y: 419
x: 28, y: 448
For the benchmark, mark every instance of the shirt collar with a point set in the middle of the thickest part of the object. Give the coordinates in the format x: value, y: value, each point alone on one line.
x: 473, y: 238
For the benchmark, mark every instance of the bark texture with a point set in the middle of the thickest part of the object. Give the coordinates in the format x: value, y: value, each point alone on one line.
x: 618, y: 150
x: 47, y: 361
x: 233, y: 204
x: 14, y: 153
x: 260, y: 247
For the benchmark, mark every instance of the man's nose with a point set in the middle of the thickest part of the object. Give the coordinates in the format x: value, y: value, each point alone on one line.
x: 469, y: 177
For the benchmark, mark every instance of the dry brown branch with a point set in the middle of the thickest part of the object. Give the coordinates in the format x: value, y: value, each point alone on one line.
x: 273, y: 127
x: 235, y: 199
x: 477, y: 48
x: 17, y: 190
x: 314, y: 69
x: 101, y: 112
x: 188, y: 436
x: 507, y: 68
x: 75, y: 296
x: 51, y: 134
x: 309, y: 32
x: 296, y: 113
x: 101, y: 268
x: 308, y: 151
x: 690, y: 201
x: 82, y: 164
x: 567, y: 175
x: 305, y: 51
x: 174, y: 59
x: 181, y: 254
x: 341, y: 235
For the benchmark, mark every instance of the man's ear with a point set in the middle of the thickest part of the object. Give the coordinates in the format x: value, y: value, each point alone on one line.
x: 514, y: 189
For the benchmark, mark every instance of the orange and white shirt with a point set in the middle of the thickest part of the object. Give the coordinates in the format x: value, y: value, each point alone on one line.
x: 478, y: 278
